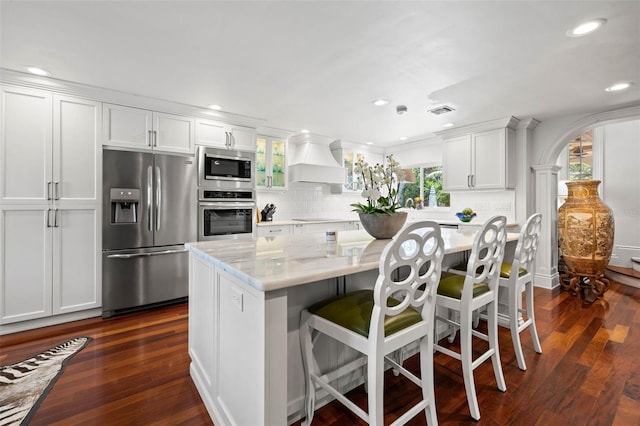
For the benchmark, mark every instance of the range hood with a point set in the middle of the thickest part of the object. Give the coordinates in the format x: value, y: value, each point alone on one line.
x: 313, y: 161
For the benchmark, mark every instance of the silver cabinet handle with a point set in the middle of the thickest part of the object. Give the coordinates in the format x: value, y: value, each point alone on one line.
x: 49, y: 190
x: 149, y: 196
x: 55, y: 219
x: 149, y: 139
x: 158, y: 197
x: 155, y: 138
x: 48, y: 218
x: 57, y: 191
x: 275, y: 230
x: 156, y: 253
x: 232, y: 140
x: 227, y: 142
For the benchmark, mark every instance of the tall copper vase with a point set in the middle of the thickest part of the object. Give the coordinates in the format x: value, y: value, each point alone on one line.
x: 585, y: 232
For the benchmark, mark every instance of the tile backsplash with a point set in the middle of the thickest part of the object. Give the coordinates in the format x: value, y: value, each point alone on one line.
x: 315, y: 200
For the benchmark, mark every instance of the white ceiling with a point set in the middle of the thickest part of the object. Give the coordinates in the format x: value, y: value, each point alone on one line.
x: 318, y: 65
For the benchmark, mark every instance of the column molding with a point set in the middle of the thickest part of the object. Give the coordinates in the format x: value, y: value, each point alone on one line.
x: 546, y: 194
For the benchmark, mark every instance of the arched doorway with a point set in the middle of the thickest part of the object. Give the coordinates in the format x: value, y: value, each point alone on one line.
x: 546, y: 188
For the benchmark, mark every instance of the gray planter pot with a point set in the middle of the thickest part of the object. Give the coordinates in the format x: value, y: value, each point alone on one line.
x: 383, y: 226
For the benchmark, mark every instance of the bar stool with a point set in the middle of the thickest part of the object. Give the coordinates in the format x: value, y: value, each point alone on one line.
x: 517, y: 277
x: 477, y: 289
x: 376, y: 323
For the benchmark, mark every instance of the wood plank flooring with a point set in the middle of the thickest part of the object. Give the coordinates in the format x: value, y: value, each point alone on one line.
x: 135, y: 372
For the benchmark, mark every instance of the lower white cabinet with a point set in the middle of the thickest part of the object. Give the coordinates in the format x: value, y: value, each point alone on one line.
x: 49, y: 264
x: 273, y: 230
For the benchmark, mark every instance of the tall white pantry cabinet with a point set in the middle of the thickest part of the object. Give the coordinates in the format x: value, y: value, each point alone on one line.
x: 50, y: 186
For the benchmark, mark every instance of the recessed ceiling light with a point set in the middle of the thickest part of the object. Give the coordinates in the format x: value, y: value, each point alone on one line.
x: 214, y: 106
x: 369, y: 143
x: 380, y: 102
x: 619, y: 86
x: 447, y: 125
x: 37, y: 71
x: 305, y: 131
x: 403, y: 138
x: 587, y: 27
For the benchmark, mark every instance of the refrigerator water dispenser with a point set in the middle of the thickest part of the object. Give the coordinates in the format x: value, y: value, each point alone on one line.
x: 124, y: 205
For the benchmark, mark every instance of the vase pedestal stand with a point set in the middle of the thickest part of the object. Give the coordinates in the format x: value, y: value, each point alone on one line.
x: 588, y: 287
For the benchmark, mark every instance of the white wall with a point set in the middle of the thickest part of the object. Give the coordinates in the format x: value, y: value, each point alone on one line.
x: 621, y: 187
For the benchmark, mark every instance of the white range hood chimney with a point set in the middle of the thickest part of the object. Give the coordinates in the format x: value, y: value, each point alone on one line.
x: 313, y: 161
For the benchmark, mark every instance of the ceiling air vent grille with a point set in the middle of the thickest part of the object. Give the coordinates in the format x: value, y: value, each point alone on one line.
x: 441, y: 110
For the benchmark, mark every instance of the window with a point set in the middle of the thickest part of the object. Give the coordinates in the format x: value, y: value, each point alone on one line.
x: 426, y: 190
x: 581, y: 157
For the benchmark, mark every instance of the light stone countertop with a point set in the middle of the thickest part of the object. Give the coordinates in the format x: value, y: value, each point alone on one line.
x: 272, y: 263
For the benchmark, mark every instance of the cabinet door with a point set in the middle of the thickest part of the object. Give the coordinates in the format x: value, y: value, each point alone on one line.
x: 77, y: 157
x: 490, y: 156
x: 25, y: 146
x: 211, y: 133
x: 173, y: 133
x: 456, y: 163
x: 263, y: 158
x: 278, y: 164
x: 76, y: 260
x: 25, y: 263
x: 242, y: 138
x: 126, y: 127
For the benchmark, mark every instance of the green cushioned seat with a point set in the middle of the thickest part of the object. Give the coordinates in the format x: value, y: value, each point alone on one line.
x: 505, y: 269
x: 353, y: 312
x: 451, y: 286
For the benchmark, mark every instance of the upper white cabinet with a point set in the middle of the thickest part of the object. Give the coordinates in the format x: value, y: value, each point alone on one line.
x: 50, y: 180
x: 348, y: 154
x: 137, y: 128
x: 220, y: 135
x: 271, y: 164
x: 50, y: 149
x: 482, y: 159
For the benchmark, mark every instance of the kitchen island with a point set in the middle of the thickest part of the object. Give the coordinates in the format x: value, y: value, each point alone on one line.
x: 245, y: 297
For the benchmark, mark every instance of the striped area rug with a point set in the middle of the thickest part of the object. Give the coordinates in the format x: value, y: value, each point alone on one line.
x: 24, y: 385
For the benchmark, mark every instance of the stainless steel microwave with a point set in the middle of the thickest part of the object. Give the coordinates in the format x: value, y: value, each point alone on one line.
x: 225, y: 168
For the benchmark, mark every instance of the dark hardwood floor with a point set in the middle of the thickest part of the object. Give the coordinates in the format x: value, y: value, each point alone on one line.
x: 136, y: 371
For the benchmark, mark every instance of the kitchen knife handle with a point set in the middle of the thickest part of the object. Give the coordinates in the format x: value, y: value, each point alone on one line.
x: 158, y: 197
x: 149, y: 196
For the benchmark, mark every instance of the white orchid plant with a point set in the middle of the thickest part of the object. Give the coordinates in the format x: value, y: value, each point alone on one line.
x: 381, y: 185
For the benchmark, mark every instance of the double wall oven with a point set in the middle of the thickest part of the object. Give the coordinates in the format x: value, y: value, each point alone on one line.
x: 226, y: 194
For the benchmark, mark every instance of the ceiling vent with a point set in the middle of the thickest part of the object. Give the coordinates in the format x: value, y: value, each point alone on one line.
x: 441, y: 110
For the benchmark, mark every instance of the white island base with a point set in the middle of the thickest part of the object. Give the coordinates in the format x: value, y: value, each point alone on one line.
x: 245, y: 299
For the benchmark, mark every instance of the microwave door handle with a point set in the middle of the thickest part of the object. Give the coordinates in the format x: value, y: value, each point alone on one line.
x: 149, y: 196
x: 158, y: 197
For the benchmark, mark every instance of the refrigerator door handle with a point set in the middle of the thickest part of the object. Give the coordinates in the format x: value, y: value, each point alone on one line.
x: 155, y: 253
x: 149, y: 196
x: 158, y: 197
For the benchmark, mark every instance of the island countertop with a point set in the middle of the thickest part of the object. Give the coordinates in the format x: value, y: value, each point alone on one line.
x: 272, y: 263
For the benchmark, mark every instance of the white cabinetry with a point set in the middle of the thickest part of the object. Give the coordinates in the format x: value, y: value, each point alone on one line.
x: 220, y: 135
x: 271, y: 164
x: 50, y: 183
x: 137, y: 128
x: 482, y: 159
x: 348, y: 154
x: 273, y: 230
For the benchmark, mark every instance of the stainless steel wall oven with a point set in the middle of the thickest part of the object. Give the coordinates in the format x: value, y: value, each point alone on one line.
x: 226, y: 194
x: 225, y: 214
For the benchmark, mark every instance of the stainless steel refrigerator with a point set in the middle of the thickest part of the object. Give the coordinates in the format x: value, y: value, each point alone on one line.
x: 149, y: 212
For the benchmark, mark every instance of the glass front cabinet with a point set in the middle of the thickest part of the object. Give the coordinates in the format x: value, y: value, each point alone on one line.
x: 271, y: 164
